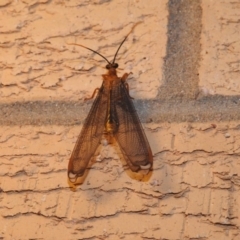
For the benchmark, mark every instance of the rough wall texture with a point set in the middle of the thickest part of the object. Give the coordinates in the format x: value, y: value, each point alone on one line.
x: 183, y: 55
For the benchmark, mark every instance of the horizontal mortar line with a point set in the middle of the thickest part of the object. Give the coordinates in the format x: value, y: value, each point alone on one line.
x: 208, y: 108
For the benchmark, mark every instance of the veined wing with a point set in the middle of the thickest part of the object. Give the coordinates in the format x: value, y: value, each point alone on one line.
x: 89, y: 137
x: 130, y: 135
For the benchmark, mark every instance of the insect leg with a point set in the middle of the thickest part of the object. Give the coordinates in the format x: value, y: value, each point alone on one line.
x: 94, y: 93
x: 124, y: 78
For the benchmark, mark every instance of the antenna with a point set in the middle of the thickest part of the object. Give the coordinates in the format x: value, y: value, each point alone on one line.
x: 124, y: 41
x: 116, y: 51
x: 92, y: 51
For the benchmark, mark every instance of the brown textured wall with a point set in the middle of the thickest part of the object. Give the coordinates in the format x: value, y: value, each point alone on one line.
x: 183, y: 55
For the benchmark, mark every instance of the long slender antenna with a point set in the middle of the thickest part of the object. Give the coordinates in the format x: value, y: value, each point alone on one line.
x: 119, y: 49
x: 90, y: 50
x: 116, y: 51
x: 124, y: 41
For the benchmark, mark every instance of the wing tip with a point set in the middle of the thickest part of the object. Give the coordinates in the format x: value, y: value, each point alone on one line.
x: 74, y: 176
x: 146, y: 167
x: 139, y: 167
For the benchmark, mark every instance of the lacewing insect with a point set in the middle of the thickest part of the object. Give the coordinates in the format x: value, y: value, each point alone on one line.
x: 113, y: 115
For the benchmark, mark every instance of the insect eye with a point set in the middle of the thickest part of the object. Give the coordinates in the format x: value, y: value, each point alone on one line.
x: 115, y: 65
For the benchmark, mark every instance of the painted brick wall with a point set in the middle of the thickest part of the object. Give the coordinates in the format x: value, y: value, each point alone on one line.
x: 184, y: 59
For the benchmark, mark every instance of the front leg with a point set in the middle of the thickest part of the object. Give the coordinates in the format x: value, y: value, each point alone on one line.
x: 124, y: 78
x: 94, y: 93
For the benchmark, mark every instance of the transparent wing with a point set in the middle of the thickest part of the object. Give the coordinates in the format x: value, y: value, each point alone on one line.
x: 89, y: 137
x: 130, y: 135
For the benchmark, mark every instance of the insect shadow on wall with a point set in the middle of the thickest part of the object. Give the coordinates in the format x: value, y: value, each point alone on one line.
x: 112, y: 115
